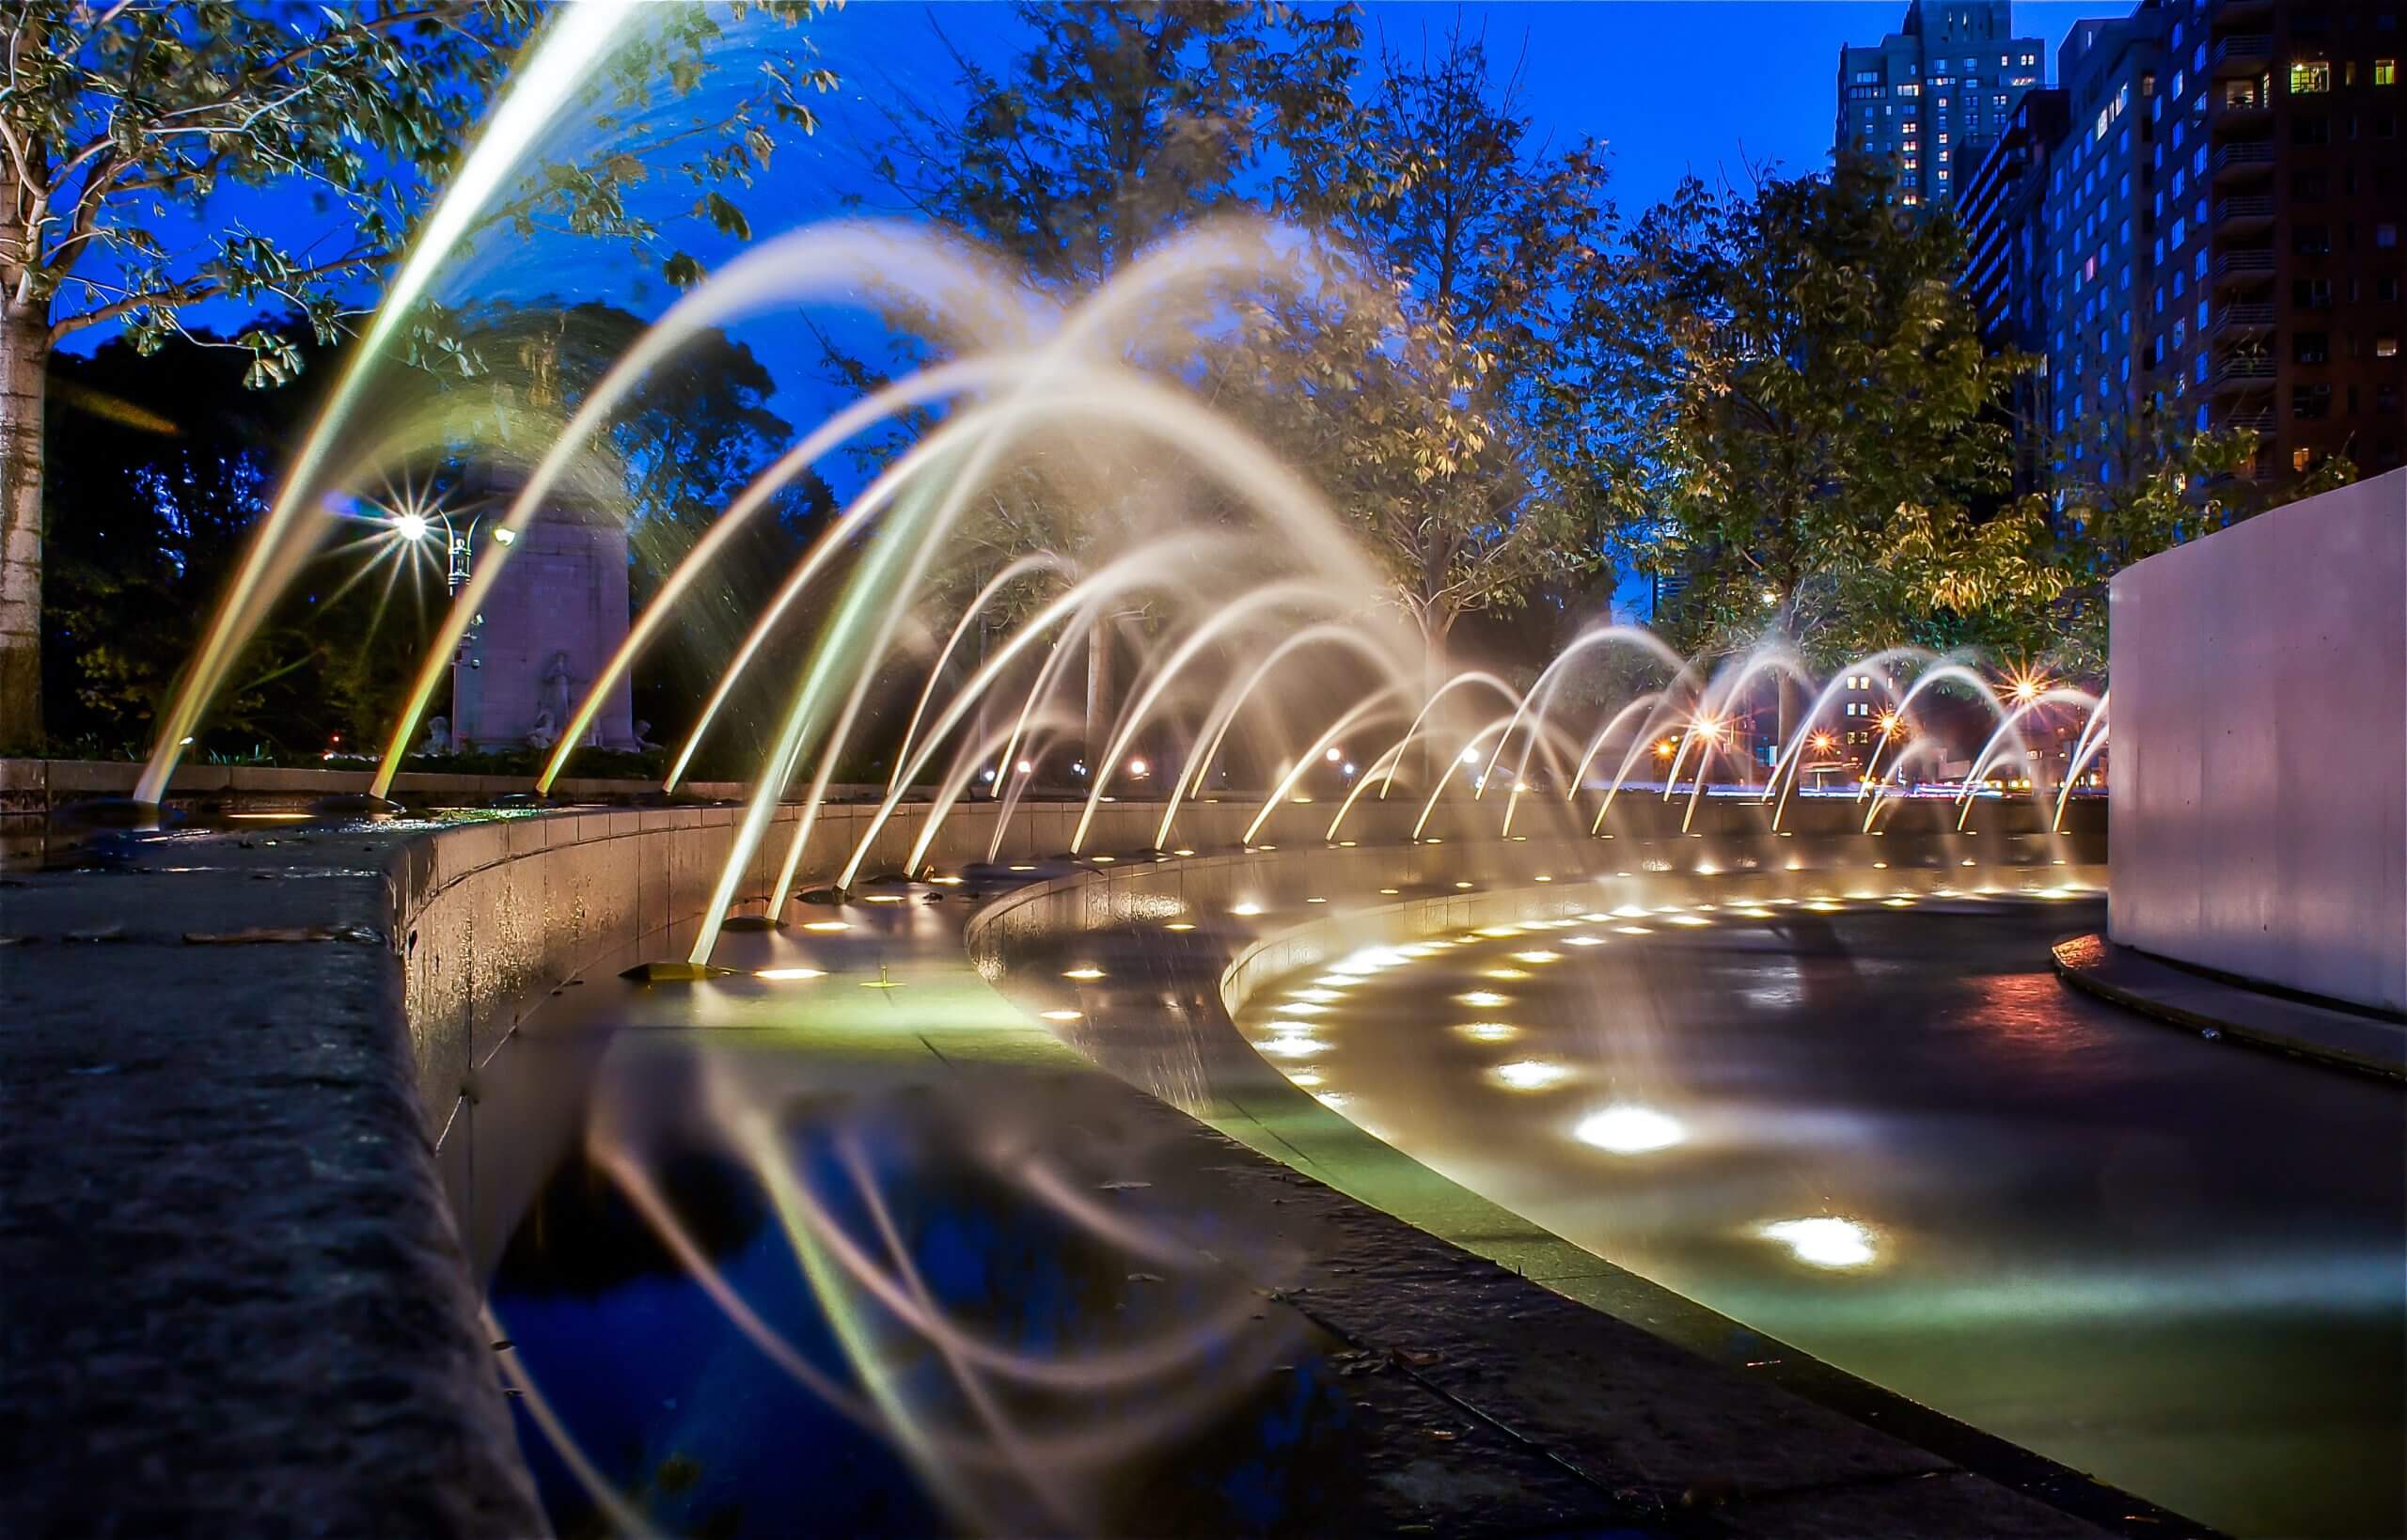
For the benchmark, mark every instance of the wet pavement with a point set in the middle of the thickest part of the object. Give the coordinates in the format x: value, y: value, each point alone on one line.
x: 1890, y: 1138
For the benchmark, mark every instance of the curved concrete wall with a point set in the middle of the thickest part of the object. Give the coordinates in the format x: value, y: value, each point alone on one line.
x: 2259, y: 740
x: 487, y: 917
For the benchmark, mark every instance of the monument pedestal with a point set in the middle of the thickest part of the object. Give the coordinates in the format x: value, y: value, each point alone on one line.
x: 555, y: 613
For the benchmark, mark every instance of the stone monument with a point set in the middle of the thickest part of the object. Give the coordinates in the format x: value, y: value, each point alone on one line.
x: 555, y: 613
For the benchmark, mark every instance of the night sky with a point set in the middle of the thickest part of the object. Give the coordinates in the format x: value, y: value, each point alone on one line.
x: 1671, y: 89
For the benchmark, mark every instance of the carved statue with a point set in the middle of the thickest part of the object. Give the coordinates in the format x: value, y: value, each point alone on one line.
x: 551, y: 702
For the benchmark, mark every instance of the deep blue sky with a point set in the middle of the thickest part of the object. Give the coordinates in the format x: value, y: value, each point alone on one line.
x: 1671, y: 89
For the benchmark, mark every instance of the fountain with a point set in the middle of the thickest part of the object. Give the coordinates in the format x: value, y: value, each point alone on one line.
x: 1280, y: 813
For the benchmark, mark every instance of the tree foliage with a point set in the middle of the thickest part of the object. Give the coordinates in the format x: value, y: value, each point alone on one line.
x: 2190, y: 486
x: 164, y: 464
x: 1118, y: 124
x: 1828, y: 452
x: 1401, y: 339
x: 121, y: 123
x: 1437, y: 379
x: 127, y: 130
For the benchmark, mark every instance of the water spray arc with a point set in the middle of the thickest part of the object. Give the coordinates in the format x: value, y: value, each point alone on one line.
x: 556, y: 69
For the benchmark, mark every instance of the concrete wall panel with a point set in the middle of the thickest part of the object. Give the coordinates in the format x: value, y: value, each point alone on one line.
x: 2259, y: 736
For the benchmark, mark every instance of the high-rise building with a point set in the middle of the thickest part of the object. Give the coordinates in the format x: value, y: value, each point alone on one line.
x: 2101, y: 264
x: 2281, y: 190
x: 2003, y: 205
x: 2218, y: 216
x: 1952, y: 77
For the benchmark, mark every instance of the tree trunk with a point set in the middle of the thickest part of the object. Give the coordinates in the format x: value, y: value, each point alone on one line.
x: 1793, y: 706
x: 1433, y: 756
x: 25, y: 352
x: 1098, y: 732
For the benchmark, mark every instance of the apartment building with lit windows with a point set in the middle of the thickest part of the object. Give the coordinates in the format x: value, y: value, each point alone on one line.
x: 1950, y: 77
x: 2103, y: 256
x: 2284, y: 118
x: 2219, y: 220
x: 2003, y: 206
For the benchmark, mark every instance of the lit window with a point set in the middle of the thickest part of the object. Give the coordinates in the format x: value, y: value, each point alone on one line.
x: 2386, y: 346
x: 2386, y: 71
x: 2301, y: 459
x: 2310, y: 76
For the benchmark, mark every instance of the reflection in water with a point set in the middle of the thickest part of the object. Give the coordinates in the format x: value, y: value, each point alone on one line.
x: 1631, y: 1130
x: 757, y: 1304
x: 1890, y: 1138
x: 1825, y: 1243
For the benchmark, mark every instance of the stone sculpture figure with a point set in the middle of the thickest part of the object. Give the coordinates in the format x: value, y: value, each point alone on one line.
x: 552, y: 703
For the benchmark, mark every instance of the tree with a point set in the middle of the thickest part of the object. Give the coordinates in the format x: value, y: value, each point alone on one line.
x: 1442, y: 392
x: 1823, y: 426
x: 1116, y: 126
x: 2192, y: 486
x: 119, y: 125
x: 164, y: 464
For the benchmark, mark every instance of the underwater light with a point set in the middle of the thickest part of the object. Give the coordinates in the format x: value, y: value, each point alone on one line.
x: 1625, y: 1129
x: 1529, y: 1074
x: 1824, y: 1243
